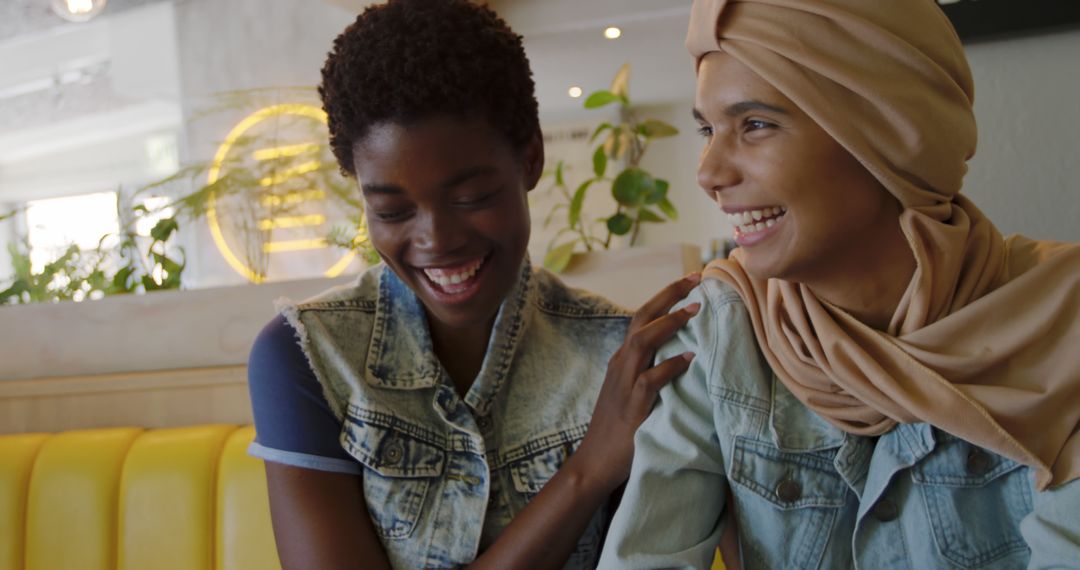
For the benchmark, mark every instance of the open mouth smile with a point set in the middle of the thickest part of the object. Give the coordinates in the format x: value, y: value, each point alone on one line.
x: 753, y: 225
x: 455, y: 283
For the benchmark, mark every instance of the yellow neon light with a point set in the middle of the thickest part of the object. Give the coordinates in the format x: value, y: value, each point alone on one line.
x: 284, y: 151
x: 294, y: 245
x: 214, y: 175
x: 292, y: 222
x: 293, y: 198
x: 290, y: 173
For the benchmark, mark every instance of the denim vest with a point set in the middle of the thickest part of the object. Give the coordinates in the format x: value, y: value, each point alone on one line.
x: 443, y: 475
x: 808, y: 495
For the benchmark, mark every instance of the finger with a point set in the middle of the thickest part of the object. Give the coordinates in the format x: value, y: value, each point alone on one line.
x: 663, y: 301
x: 658, y: 376
x: 645, y: 340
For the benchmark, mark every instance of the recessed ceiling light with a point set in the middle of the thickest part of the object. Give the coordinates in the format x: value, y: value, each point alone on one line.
x: 612, y: 33
x: 575, y: 92
x: 78, y: 10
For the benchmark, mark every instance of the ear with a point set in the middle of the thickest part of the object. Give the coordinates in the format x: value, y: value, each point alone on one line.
x: 533, y: 161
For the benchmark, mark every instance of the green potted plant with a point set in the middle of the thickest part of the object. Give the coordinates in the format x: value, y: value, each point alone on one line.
x: 639, y: 196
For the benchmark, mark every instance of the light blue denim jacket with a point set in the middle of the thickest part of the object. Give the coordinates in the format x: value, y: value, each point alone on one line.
x: 444, y: 475
x: 807, y: 495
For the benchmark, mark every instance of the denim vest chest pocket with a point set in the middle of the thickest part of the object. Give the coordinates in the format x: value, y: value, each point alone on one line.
x: 400, y: 461
x: 798, y: 493
x: 975, y: 500
x: 534, y: 464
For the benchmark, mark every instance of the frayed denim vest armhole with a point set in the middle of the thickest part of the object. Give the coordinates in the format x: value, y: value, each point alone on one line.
x: 289, y: 309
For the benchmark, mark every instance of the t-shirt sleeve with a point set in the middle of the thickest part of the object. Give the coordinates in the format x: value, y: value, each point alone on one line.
x: 293, y: 421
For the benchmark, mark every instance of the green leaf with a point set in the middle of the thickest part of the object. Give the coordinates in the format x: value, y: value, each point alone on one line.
x: 658, y: 193
x: 668, y: 209
x: 632, y: 186
x: 655, y: 129
x: 559, y: 173
x: 164, y: 229
x: 168, y: 265
x: 599, y: 162
x: 647, y: 215
x: 620, y: 224
x: 574, y: 216
x: 120, y: 281
x: 149, y: 284
x: 558, y: 258
x: 603, y: 127
x: 601, y: 98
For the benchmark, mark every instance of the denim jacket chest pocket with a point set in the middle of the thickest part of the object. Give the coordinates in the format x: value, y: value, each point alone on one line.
x: 533, y: 466
x: 399, y: 467
x: 975, y: 500
x: 798, y: 493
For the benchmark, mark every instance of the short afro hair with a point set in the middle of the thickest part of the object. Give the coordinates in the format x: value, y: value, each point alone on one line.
x: 408, y: 60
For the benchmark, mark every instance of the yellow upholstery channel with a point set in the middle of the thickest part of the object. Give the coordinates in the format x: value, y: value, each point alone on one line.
x: 243, y: 512
x: 186, y: 498
x: 71, y: 510
x: 166, y: 499
x: 17, y: 455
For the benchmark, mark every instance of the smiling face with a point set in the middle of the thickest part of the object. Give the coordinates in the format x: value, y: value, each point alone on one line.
x: 804, y: 208
x: 447, y: 210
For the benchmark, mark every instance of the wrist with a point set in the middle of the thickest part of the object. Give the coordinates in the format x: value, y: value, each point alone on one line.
x: 589, y: 476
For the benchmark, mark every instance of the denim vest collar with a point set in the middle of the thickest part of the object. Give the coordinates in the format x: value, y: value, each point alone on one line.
x: 401, y: 355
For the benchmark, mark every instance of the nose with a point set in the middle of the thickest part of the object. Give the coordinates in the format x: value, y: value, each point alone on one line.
x: 439, y: 232
x: 716, y: 168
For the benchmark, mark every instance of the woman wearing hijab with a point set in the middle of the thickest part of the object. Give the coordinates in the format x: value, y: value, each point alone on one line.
x: 883, y: 380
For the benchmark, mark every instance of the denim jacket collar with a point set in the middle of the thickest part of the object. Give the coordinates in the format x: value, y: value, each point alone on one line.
x: 401, y: 354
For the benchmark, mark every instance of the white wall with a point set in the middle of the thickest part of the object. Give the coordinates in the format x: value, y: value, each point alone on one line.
x: 1026, y: 173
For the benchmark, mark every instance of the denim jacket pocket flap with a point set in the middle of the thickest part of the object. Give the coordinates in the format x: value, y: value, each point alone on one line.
x: 957, y: 463
x: 394, y: 448
x: 788, y: 480
x: 533, y: 470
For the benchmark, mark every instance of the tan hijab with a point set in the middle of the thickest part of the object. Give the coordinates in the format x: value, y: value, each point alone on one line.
x: 985, y: 343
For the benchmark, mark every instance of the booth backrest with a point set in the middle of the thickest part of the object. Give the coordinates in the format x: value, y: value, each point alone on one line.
x: 131, y: 499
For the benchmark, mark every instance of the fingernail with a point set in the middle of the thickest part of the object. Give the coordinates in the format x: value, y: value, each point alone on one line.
x: 692, y: 308
x: 688, y: 356
x: 694, y: 277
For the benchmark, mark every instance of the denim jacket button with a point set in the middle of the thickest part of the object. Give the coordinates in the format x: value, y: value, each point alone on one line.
x: 885, y: 511
x: 484, y: 422
x: 789, y: 491
x: 393, y: 453
x: 978, y: 462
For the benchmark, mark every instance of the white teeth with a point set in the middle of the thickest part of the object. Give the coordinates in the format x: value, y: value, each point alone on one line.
x: 440, y: 277
x: 757, y: 215
x: 770, y: 223
x: 759, y: 226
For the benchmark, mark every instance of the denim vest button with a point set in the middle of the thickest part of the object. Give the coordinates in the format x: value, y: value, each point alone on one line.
x: 484, y: 422
x: 978, y: 462
x: 885, y: 510
x: 393, y: 452
x: 789, y: 491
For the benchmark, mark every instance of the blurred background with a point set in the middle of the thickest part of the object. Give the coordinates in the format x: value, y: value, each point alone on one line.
x: 178, y: 143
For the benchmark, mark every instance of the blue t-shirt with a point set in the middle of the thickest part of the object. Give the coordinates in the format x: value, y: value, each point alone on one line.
x: 292, y: 416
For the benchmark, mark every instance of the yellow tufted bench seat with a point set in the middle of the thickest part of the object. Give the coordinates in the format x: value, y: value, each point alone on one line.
x: 132, y: 499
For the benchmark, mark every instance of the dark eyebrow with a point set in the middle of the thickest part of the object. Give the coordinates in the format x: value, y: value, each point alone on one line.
x: 455, y: 180
x: 743, y: 107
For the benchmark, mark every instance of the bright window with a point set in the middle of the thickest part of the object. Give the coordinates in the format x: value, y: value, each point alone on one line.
x: 55, y: 224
